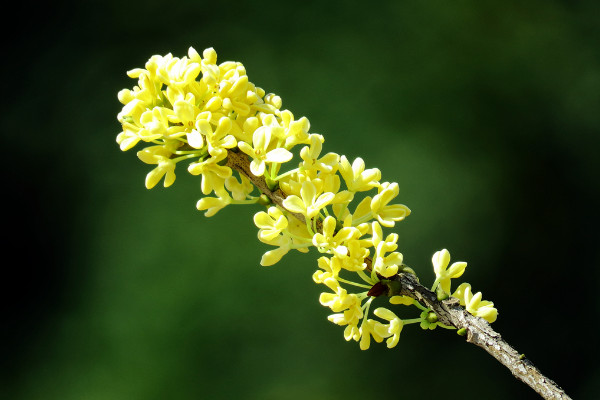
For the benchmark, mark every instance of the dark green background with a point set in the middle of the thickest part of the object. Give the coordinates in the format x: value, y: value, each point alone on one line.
x: 486, y: 113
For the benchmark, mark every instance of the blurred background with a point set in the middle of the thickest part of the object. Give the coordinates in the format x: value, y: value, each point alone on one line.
x: 486, y: 113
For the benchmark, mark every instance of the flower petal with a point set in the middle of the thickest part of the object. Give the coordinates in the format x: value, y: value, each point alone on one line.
x: 279, y: 155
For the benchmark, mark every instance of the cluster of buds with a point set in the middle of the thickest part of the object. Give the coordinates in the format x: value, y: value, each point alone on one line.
x: 212, y: 116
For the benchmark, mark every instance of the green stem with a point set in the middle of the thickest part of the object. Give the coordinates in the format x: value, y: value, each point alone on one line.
x: 435, y: 284
x: 176, y: 160
x: 285, y: 174
x: 419, y: 305
x: 250, y: 201
x: 365, y: 277
x: 353, y: 283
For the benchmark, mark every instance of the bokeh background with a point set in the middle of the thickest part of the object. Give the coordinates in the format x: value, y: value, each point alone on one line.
x: 486, y: 113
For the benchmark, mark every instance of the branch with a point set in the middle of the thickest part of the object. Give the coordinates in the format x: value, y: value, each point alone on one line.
x: 449, y: 312
x: 479, y: 332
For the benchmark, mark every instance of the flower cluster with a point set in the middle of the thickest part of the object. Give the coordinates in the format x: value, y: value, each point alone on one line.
x: 194, y: 109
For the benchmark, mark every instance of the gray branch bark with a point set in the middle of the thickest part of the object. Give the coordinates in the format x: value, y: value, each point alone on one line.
x: 479, y: 332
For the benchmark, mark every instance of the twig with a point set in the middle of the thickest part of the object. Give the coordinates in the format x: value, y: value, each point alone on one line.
x: 479, y: 332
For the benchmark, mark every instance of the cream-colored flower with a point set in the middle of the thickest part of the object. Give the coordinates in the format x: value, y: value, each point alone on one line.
x: 271, y: 257
x: 333, y: 241
x: 214, y: 204
x: 443, y: 274
x: 218, y: 139
x: 310, y: 156
x: 370, y: 328
x: 271, y: 224
x: 261, y: 138
x: 356, y: 177
x: 213, y: 174
x: 350, y: 317
x: 330, y: 268
x: 310, y: 201
x: 385, y: 265
x: 474, y: 303
x: 355, y: 259
x: 239, y: 190
x: 160, y: 155
x: 339, y: 300
x: 388, y: 215
x: 391, y: 330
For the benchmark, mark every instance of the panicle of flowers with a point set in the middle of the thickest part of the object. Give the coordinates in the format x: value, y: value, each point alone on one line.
x: 195, y: 110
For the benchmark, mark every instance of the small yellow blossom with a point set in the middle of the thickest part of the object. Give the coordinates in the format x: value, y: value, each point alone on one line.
x: 337, y: 301
x: 331, y: 241
x: 391, y: 330
x: 271, y: 257
x: 388, y: 215
x: 310, y: 201
x: 474, y: 303
x: 385, y: 265
x: 160, y: 155
x: 271, y: 224
x: 350, y: 317
x: 218, y: 139
x: 443, y: 274
x: 356, y: 177
x: 239, y: 190
x: 260, y: 154
x: 213, y: 174
x: 310, y: 156
x: 330, y: 268
x: 370, y: 328
x: 355, y: 258
x: 214, y: 204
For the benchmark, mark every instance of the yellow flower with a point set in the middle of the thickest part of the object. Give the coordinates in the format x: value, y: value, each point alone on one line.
x: 330, y: 269
x: 259, y: 153
x: 370, y: 328
x: 355, y: 259
x: 160, y: 155
x: 310, y: 156
x: 155, y: 124
x: 219, y: 139
x: 214, y: 204
x: 474, y: 304
x: 181, y: 72
x: 130, y: 118
x: 185, y: 112
x: 271, y: 224
x: 213, y: 174
x: 350, y: 317
x: 271, y: 257
x: 239, y: 190
x: 391, y: 330
x: 337, y: 301
x: 296, y: 132
x: 386, y: 266
x: 443, y: 274
x: 331, y: 241
x: 356, y: 177
x: 388, y: 215
x: 310, y: 201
